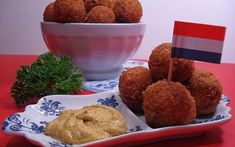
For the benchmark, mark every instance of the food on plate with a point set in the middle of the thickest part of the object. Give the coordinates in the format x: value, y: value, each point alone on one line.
x: 207, y: 91
x: 89, y: 4
x: 131, y: 85
x: 47, y: 75
x: 159, y: 65
x: 128, y: 11
x: 100, y: 14
x: 167, y: 104
x: 87, y: 124
x: 49, y: 14
x: 69, y: 11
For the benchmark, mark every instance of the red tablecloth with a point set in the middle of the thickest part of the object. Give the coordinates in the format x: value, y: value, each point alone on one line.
x: 222, y: 136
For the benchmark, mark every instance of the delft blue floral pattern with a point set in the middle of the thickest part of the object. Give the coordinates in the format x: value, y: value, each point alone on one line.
x: 4, y: 125
x: 135, y: 129
x: 50, y: 107
x: 58, y: 144
x: 16, y: 123
x: 216, y: 118
x: 225, y: 99
x: 100, y: 86
x: 109, y: 85
x: 109, y: 101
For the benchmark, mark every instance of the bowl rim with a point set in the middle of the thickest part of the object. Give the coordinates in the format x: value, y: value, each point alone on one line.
x: 95, y: 24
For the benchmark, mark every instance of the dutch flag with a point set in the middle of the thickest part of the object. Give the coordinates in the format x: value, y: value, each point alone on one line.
x: 198, y: 41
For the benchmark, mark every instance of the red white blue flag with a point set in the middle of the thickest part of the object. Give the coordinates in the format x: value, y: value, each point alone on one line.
x: 198, y: 41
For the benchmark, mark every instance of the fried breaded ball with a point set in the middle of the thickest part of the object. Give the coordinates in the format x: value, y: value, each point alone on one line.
x: 49, y: 14
x: 68, y: 11
x: 207, y: 91
x: 159, y: 65
x: 167, y: 104
x: 100, y: 14
x: 131, y: 85
x: 128, y: 11
x: 89, y: 4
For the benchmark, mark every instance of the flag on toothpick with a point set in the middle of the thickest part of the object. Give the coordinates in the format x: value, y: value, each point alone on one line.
x: 198, y: 41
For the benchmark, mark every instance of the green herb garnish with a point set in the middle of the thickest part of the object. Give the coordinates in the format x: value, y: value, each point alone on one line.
x: 47, y: 75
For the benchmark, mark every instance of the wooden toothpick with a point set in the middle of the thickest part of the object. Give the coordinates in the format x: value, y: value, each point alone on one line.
x: 170, y: 70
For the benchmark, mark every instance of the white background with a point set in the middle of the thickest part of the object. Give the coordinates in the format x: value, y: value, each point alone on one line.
x: 20, y: 23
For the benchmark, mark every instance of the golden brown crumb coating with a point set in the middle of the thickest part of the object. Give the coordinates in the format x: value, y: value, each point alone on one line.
x: 89, y: 4
x: 159, y: 65
x: 68, y: 11
x: 131, y: 85
x: 100, y: 14
x: 128, y: 11
x: 167, y: 104
x: 207, y: 91
x: 49, y: 14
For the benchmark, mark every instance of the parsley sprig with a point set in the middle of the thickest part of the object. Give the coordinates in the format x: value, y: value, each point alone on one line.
x: 47, y: 75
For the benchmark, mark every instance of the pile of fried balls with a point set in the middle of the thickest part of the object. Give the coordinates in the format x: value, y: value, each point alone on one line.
x: 192, y: 92
x: 93, y: 11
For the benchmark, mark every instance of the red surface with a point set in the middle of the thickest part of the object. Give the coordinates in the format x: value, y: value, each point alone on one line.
x: 199, y: 30
x: 222, y: 136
